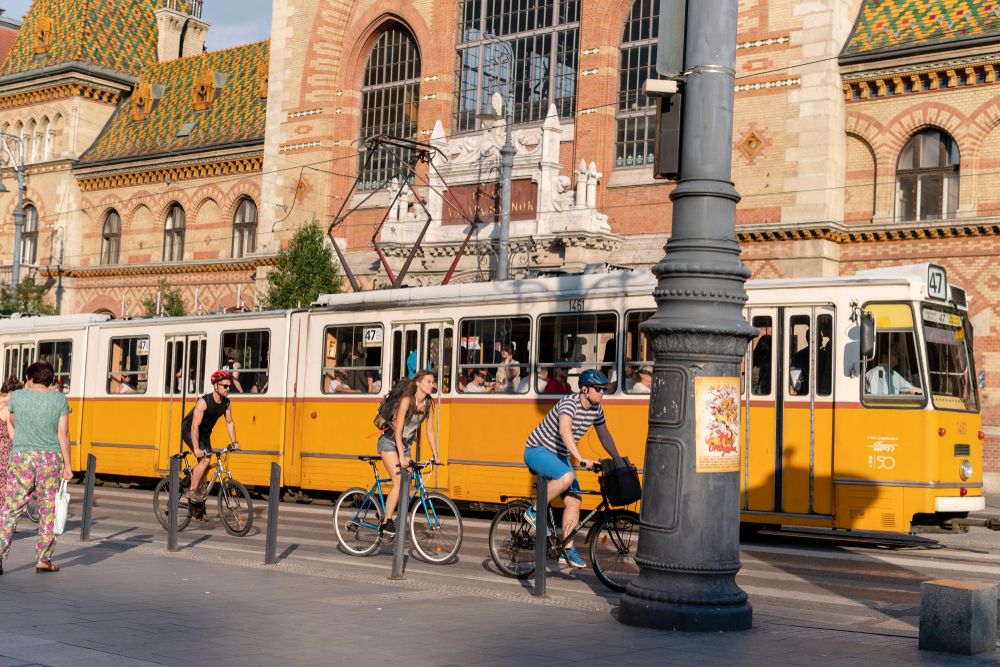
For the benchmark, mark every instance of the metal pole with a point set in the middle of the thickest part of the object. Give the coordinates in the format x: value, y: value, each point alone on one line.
x: 272, y: 516
x: 689, y: 537
x: 88, y: 498
x: 18, y: 232
x: 541, y: 534
x: 507, y: 174
x: 172, y: 503
x: 398, y: 555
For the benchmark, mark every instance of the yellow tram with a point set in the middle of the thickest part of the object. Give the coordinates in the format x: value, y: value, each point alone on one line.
x: 860, y: 404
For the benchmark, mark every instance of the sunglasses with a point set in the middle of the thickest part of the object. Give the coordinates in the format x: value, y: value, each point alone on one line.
x: 224, y: 386
x: 599, y: 389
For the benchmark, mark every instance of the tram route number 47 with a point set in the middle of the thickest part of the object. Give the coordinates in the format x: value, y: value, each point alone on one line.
x: 937, y: 282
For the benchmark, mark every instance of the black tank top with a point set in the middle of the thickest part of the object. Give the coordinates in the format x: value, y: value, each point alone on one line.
x: 213, y: 412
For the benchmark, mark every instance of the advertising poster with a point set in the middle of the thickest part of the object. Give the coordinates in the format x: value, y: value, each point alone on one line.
x: 717, y: 424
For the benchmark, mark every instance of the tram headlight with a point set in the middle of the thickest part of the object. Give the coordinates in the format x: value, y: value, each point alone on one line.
x: 965, y: 470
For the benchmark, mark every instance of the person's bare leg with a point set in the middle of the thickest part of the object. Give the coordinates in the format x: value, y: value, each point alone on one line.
x: 391, y: 462
x: 571, y: 515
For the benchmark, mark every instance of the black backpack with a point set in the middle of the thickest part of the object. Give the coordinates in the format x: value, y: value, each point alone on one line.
x: 386, y: 412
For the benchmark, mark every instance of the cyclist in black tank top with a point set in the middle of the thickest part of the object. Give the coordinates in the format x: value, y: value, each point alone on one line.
x: 196, y: 429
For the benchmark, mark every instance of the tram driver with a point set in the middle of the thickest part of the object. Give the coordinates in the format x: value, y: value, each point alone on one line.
x: 884, y: 380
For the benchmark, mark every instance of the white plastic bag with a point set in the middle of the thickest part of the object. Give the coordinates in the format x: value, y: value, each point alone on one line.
x: 62, y: 508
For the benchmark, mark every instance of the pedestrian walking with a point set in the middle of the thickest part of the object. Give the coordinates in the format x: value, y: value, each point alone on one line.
x: 39, y: 459
x: 6, y: 430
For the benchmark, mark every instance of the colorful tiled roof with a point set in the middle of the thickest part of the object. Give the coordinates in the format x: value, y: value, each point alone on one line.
x: 118, y: 34
x: 236, y: 114
x: 897, y: 26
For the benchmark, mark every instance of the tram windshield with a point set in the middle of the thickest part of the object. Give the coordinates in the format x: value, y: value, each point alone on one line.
x: 952, y: 385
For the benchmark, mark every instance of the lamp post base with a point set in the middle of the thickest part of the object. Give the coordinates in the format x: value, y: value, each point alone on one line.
x: 642, y: 612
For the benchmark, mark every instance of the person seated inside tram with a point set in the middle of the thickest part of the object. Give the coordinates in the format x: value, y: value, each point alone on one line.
x: 338, y: 383
x: 644, y: 380
x: 478, y: 384
x: 542, y: 380
x: 559, y: 384
x: 374, y: 381
x: 509, y: 371
x: 884, y: 380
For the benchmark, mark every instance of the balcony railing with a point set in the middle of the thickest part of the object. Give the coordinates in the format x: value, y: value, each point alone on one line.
x: 192, y: 7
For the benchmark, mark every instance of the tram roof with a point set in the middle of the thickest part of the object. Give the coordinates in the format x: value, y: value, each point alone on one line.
x: 18, y: 322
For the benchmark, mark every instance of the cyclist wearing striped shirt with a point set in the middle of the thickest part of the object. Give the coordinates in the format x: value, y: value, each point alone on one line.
x: 554, y: 440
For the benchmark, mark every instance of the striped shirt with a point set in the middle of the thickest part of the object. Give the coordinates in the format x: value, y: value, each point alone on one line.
x: 547, y: 435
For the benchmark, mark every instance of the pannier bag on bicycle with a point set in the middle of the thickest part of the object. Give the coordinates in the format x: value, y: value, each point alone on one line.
x: 620, y: 481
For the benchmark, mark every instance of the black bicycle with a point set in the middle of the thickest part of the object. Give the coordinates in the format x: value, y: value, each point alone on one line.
x: 235, y: 506
x: 613, y: 538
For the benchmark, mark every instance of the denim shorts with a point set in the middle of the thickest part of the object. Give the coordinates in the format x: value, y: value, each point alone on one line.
x: 550, y: 465
x: 387, y: 444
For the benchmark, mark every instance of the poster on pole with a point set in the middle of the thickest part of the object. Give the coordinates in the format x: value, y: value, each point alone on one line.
x: 717, y: 424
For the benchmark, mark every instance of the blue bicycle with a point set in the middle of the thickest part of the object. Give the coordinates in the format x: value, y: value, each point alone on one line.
x: 434, y: 522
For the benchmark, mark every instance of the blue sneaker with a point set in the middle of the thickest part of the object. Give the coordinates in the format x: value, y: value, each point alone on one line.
x: 573, y: 559
x: 529, y: 516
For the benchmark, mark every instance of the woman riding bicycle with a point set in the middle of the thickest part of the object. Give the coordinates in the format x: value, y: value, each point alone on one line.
x: 549, y: 447
x: 415, y: 407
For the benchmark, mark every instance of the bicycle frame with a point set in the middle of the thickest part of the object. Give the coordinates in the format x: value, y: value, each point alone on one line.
x: 419, y: 493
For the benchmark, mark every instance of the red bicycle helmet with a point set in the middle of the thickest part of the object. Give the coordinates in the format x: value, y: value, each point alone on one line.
x: 219, y: 376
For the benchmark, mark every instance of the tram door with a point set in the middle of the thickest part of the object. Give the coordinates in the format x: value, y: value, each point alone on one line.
x: 183, y: 383
x: 16, y: 358
x: 427, y: 345
x: 761, y: 416
x: 804, y: 452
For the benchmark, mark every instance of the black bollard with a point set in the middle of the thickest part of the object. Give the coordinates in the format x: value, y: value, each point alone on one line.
x: 398, y: 554
x: 172, y: 503
x: 272, y: 516
x: 88, y: 498
x: 541, y: 534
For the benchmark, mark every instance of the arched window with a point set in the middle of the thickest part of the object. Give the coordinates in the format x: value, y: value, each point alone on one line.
x: 390, y: 94
x: 29, y: 235
x: 111, y: 237
x: 636, y: 113
x: 245, y: 228
x: 927, y: 177
x: 173, y: 235
x: 544, y: 37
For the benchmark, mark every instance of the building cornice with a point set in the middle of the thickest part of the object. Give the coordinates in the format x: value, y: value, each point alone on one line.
x: 844, y: 234
x: 148, y: 172
x: 60, y: 91
x: 952, y: 74
x: 230, y: 265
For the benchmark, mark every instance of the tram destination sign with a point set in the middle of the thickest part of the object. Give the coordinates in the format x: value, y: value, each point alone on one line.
x: 482, y: 201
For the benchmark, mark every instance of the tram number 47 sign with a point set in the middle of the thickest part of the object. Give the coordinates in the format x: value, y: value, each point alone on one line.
x: 937, y: 282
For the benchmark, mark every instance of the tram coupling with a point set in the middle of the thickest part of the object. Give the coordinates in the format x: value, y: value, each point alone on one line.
x: 992, y: 523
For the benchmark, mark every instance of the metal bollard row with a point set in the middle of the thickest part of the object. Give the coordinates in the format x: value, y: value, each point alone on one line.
x: 541, y: 535
x: 88, y: 498
x: 398, y: 551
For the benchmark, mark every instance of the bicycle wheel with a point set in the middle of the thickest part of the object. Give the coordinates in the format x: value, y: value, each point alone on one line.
x: 235, y: 508
x: 512, y: 541
x: 161, y: 505
x: 612, y: 549
x: 436, y: 528
x: 31, y: 509
x: 356, y: 520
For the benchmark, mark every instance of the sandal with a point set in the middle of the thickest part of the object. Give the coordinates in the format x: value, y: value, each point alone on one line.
x: 46, y: 566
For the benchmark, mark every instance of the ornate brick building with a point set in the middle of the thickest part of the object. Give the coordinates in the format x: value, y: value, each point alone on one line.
x: 865, y: 135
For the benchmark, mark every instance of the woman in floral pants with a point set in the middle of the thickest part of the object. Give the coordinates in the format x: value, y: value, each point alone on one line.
x: 40, y: 458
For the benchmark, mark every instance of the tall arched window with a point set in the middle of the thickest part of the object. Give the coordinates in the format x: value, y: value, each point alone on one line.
x: 636, y: 113
x: 111, y: 237
x: 390, y: 94
x: 29, y: 235
x: 245, y: 228
x: 173, y: 235
x: 927, y: 177
x: 544, y: 37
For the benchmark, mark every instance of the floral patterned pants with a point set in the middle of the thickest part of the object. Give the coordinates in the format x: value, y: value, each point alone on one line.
x: 41, y: 471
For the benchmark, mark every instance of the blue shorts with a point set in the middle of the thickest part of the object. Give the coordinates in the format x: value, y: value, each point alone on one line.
x: 387, y: 444
x: 548, y: 464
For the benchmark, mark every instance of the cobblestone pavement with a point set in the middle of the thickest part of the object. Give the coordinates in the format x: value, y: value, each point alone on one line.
x: 127, y: 602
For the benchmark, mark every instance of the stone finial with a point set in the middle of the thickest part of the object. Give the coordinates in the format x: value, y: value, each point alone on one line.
x: 593, y: 176
x: 581, y: 185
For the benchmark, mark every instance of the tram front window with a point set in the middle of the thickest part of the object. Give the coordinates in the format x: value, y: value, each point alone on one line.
x: 952, y: 385
x: 893, y: 374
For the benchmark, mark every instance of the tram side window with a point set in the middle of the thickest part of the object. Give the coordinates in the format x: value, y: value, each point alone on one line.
x: 17, y: 358
x: 494, y: 355
x: 569, y: 345
x: 247, y: 355
x: 59, y: 353
x: 438, y: 360
x: 762, y: 357
x: 352, y: 359
x: 128, y: 363
x: 893, y: 374
x: 638, y: 357
x: 803, y: 358
x: 404, y: 355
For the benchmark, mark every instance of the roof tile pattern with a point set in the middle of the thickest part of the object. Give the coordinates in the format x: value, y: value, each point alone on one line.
x: 897, y: 25
x: 118, y: 34
x: 235, y: 114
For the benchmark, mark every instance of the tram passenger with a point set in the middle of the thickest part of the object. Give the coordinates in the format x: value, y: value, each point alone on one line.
x: 233, y: 366
x: 374, y: 381
x: 196, y: 431
x: 477, y: 384
x: 542, y: 380
x: 559, y: 384
x: 415, y: 407
x: 644, y: 382
x: 339, y: 383
x: 509, y: 371
x: 884, y: 380
x: 547, y: 452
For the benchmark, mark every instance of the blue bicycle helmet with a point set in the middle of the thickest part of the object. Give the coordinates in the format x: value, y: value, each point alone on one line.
x: 593, y: 378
